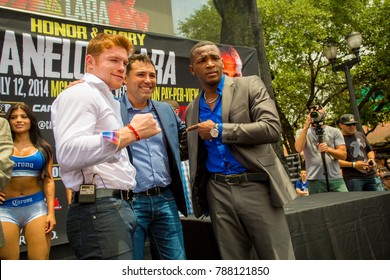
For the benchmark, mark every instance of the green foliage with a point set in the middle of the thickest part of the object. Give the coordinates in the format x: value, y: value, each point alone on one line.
x: 205, y: 24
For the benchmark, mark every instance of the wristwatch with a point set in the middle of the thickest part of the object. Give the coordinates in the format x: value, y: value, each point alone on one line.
x: 214, y: 131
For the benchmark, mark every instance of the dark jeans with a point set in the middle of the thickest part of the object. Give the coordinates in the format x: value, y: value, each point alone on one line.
x: 363, y: 185
x: 102, y: 230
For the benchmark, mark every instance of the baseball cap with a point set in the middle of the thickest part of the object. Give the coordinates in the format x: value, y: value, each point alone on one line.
x: 387, y: 174
x: 347, y: 119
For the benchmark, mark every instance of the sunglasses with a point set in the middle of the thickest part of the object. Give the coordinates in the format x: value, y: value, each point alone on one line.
x: 351, y: 124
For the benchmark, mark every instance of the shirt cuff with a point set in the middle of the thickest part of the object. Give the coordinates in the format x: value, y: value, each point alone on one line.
x: 112, y: 136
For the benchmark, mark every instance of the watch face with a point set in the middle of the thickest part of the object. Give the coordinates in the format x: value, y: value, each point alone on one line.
x: 214, y: 133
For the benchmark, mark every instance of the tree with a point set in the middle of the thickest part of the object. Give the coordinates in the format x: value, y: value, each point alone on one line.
x: 373, y: 77
x: 241, y: 25
x: 294, y: 32
x: 202, y: 25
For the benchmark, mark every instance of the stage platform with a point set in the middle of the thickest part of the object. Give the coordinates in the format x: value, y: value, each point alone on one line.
x: 326, y: 226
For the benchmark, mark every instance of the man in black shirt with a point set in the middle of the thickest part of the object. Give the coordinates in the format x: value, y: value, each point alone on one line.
x: 359, y: 169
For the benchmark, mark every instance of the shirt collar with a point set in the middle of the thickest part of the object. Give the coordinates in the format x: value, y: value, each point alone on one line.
x: 129, y: 106
x: 221, y: 84
x: 91, y: 78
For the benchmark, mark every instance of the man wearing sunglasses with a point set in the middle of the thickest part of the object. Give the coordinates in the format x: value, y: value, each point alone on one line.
x: 359, y: 169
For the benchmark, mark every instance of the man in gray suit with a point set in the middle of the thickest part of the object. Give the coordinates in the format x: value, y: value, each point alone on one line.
x: 159, y: 193
x: 235, y: 174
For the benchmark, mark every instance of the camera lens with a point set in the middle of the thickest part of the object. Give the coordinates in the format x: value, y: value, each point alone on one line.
x: 314, y: 115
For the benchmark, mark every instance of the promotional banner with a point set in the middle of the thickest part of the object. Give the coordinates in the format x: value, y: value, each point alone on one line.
x: 41, y: 55
x: 141, y: 15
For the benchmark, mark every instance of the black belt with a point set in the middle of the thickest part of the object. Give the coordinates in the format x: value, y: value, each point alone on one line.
x: 240, y: 178
x: 152, y: 191
x: 100, y: 193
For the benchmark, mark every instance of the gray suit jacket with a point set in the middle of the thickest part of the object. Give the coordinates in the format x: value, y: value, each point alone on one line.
x: 6, y: 164
x: 174, y: 131
x: 6, y: 150
x: 250, y: 122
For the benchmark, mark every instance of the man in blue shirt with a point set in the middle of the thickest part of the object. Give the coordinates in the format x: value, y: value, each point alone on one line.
x: 301, y: 184
x: 159, y: 192
x: 235, y: 174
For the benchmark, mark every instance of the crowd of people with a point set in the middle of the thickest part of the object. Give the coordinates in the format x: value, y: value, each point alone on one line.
x: 132, y: 166
x: 337, y: 160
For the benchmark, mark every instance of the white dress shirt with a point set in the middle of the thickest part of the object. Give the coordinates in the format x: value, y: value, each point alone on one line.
x: 79, y: 115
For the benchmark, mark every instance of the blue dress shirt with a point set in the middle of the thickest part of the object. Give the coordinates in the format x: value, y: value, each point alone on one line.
x: 150, y: 157
x: 219, y: 159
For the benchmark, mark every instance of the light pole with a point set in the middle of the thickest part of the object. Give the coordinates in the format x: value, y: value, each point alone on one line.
x: 354, y: 42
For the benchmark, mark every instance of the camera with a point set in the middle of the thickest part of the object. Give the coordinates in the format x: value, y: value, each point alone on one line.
x: 317, y: 117
x: 371, y: 165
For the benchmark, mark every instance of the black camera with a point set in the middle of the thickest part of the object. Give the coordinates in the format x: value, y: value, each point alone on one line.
x: 371, y: 165
x: 317, y: 117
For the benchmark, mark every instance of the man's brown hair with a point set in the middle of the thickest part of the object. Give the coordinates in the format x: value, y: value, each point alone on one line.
x: 103, y: 41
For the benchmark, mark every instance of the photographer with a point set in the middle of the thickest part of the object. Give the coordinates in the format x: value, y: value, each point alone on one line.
x: 359, y: 169
x: 322, y: 146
